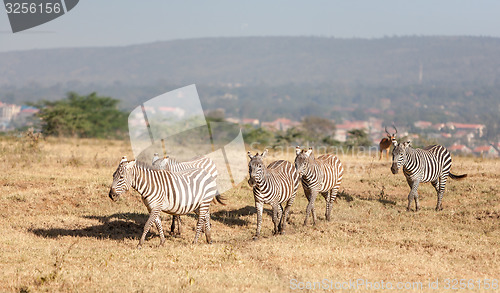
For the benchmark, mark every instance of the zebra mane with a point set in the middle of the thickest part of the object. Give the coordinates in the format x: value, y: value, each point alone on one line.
x: 172, y: 160
x: 143, y: 165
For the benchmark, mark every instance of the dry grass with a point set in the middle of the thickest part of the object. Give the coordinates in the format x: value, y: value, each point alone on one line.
x: 61, y: 232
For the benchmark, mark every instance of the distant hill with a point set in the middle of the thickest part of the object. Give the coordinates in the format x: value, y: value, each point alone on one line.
x: 400, y: 79
x: 268, y: 60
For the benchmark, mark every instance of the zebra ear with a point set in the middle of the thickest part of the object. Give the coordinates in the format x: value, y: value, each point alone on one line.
x: 408, y: 143
x: 250, y: 155
x: 124, y: 159
x: 309, y: 152
x: 297, y: 150
x: 264, y: 153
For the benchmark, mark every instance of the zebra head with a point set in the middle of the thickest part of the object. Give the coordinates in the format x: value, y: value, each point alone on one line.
x: 256, y: 167
x: 302, y: 159
x: 399, y: 156
x: 121, y: 179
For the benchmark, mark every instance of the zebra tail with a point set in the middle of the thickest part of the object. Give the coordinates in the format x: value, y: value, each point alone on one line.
x: 219, y: 199
x: 457, y: 177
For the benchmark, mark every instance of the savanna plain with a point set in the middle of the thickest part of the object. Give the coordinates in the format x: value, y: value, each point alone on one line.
x: 60, y: 232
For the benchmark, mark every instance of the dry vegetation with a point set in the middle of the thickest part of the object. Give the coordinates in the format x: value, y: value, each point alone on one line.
x: 61, y: 232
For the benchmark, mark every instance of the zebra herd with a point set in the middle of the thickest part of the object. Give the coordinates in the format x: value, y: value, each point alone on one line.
x: 178, y: 188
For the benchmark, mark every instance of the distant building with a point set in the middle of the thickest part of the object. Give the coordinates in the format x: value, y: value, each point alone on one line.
x: 8, y: 111
x: 422, y: 124
x: 340, y: 135
x: 280, y: 124
x: 486, y: 151
x: 476, y: 128
x: 251, y: 121
x: 350, y: 125
x: 460, y: 149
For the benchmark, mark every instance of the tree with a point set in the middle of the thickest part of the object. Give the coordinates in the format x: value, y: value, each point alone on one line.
x: 358, y: 137
x: 82, y: 116
x: 317, y: 126
x: 258, y: 136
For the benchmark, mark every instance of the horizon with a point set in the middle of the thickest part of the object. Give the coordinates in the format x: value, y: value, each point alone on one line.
x: 94, y: 23
x: 236, y: 37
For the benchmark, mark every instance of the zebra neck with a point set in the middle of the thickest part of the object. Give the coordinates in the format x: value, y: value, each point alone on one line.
x: 410, y: 157
x: 263, y: 179
x: 312, y: 169
x: 139, y: 181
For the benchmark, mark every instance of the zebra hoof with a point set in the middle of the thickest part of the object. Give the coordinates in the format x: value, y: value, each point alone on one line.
x: 255, y: 238
x: 139, y: 246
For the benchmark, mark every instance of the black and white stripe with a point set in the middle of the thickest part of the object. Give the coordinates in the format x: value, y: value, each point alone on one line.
x: 171, y: 164
x: 319, y: 175
x: 175, y: 193
x: 274, y: 185
x: 431, y: 164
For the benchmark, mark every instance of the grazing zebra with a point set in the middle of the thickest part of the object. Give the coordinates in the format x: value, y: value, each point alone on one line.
x: 321, y: 175
x: 176, y: 193
x: 431, y: 164
x: 173, y: 165
x: 274, y: 185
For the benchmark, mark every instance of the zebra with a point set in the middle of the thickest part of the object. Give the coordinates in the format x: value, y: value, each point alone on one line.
x: 319, y: 175
x: 430, y: 164
x: 274, y: 185
x: 176, y: 193
x: 171, y: 164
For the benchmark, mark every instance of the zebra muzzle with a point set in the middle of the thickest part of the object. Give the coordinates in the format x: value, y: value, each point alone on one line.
x: 113, y: 195
x: 394, y: 169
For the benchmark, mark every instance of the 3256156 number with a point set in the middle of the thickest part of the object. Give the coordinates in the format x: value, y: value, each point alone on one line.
x: 25, y: 8
x: 462, y: 284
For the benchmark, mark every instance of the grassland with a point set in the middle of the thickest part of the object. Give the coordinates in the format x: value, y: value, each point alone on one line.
x: 60, y: 232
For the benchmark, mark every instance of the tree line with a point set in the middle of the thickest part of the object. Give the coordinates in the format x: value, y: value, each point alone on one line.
x: 82, y: 116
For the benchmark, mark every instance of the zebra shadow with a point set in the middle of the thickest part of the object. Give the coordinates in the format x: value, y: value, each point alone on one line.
x: 122, y: 226
x: 117, y: 227
x: 351, y: 197
x: 235, y: 217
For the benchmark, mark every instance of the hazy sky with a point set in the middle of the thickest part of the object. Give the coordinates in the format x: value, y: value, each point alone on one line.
x: 125, y: 22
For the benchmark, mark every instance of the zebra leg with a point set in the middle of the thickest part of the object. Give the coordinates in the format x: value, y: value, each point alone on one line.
x: 152, y: 218
x: 208, y: 234
x: 329, y: 203
x: 172, y: 226
x: 280, y: 215
x: 380, y: 157
x: 260, y: 207
x: 160, y: 230
x: 175, y: 218
x: 440, y: 187
x: 286, y: 212
x: 413, y: 195
x: 200, y: 224
x: 311, y: 196
x: 179, y: 225
x: 276, y: 217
